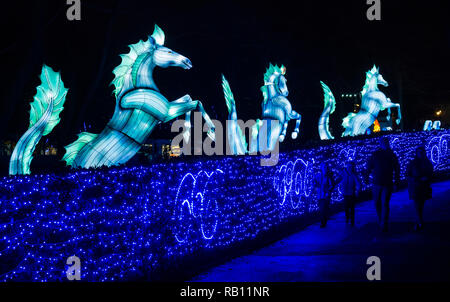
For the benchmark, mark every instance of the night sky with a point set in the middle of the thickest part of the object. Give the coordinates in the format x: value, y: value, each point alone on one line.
x: 330, y: 41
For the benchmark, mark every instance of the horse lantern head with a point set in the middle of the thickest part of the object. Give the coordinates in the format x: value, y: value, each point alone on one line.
x: 163, y: 56
x: 380, y: 80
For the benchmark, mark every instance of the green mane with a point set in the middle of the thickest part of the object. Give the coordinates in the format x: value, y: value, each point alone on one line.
x: 127, y: 65
x: 369, y: 75
x: 132, y: 60
x: 273, y: 69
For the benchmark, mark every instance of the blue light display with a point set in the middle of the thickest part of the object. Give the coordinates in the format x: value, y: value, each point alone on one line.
x: 190, y: 200
x: 127, y: 223
x: 438, y: 149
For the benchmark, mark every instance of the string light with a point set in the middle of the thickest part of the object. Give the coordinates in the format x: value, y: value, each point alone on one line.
x: 127, y: 223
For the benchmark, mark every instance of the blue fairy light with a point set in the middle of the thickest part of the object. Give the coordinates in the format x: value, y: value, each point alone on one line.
x: 125, y: 223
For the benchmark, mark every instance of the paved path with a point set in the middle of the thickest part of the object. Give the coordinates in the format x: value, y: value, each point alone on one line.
x: 339, y: 252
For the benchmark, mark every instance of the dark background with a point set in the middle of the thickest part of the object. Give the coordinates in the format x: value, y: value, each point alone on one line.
x: 330, y: 41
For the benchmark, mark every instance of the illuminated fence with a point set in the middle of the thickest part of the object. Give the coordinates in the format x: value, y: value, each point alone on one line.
x: 126, y: 223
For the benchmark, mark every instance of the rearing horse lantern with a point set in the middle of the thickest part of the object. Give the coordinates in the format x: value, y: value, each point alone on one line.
x: 373, y: 101
x: 276, y: 113
x: 139, y: 107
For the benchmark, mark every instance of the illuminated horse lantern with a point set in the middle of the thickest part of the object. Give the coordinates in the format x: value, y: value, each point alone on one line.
x: 139, y: 107
x: 373, y: 101
x: 275, y: 107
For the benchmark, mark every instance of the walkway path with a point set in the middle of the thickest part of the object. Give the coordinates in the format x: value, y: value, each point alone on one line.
x: 339, y: 252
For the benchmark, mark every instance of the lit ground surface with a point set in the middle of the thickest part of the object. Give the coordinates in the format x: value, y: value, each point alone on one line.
x: 339, y: 252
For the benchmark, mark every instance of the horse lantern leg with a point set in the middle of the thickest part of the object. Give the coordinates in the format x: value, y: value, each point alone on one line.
x: 389, y: 105
x: 295, y: 116
x: 185, y: 105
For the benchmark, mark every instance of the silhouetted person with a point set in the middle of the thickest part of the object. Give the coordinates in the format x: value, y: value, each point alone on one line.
x: 420, y: 172
x: 384, y: 166
x: 323, y: 182
x: 350, y: 188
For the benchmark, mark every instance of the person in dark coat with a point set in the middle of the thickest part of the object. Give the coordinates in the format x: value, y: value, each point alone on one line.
x: 419, y: 172
x: 385, y: 169
x: 324, y: 184
x: 350, y: 188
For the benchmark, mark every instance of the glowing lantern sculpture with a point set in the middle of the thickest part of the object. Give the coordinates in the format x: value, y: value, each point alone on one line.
x: 139, y: 107
x: 437, y: 125
x: 427, y: 126
x: 328, y: 108
x: 373, y: 101
x: 44, y: 116
x: 275, y: 107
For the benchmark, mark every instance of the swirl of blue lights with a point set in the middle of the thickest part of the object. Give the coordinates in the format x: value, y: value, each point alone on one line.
x: 294, y: 178
x: 438, y: 149
x: 192, y: 201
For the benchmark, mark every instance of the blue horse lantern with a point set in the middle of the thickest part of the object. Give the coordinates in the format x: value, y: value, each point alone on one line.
x: 275, y: 107
x: 373, y: 101
x: 139, y: 107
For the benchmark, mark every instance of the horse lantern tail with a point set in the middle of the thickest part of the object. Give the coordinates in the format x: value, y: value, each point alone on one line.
x: 44, y: 116
x: 236, y: 137
x: 328, y: 109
